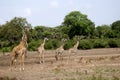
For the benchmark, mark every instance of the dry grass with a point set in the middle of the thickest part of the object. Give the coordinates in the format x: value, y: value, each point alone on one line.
x: 98, y: 64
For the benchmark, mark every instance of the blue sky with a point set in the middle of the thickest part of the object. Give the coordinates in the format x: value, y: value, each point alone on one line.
x: 52, y: 12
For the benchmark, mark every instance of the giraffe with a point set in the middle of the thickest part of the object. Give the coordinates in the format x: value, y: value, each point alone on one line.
x: 74, y: 49
x: 59, y: 51
x: 19, y: 51
x: 41, y: 51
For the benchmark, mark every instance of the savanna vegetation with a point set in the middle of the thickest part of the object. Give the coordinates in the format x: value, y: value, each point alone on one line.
x: 75, y: 24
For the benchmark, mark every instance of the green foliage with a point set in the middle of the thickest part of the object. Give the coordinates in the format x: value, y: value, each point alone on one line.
x: 78, y: 24
x: 12, y: 30
x: 85, y: 44
x: 64, y: 29
x: 69, y: 44
x: 100, y: 43
x: 114, y: 43
x: 42, y: 31
x: 52, y: 44
x: 34, y: 44
x: 104, y: 31
x: 6, y: 49
x: 75, y: 24
x: 4, y: 43
x: 116, y: 28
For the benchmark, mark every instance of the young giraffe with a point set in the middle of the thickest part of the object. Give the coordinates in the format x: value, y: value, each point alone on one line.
x: 59, y: 51
x: 75, y: 47
x: 41, y: 51
x: 19, y: 52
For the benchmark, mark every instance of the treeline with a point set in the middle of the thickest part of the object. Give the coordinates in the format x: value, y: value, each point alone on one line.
x: 75, y: 24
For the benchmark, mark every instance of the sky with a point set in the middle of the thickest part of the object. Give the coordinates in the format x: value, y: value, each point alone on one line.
x: 51, y: 13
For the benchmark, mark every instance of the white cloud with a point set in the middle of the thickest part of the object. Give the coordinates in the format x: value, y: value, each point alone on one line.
x: 27, y: 12
x: 54, y: 4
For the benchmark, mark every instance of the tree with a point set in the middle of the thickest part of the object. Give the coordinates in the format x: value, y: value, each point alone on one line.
x: 78, y: 24
x: 42, y: 31
x: 116, y: 28
x: 104, y: 31
x: 12, y: 30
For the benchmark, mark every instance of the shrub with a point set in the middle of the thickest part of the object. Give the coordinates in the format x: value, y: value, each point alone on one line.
x: 6, y: 49
x: 49, y: 45
x: 85, y: 44
x: 114, y: 43
x: 34, y: 44
x: 52, y: 44
x: 100, y: 43
x: 69, y: 44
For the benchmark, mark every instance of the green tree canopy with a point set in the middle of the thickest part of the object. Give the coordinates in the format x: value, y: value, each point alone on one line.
x: 104, y: 31
x: 78, y: 24
x: 12, y: 30
x: 116, y: 28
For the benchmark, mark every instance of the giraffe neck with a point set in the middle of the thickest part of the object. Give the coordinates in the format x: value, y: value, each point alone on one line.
x: 24, y: 39
x: 62, y: 45
x: 76, y: 45
x: 43, y: 43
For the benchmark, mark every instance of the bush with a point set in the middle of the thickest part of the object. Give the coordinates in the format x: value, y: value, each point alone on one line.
x: 6, y: 49
x: 85, y: 44
x: 34, y: 44
x: 100, y: 43
x: 52, y: 44
x: 114, y: 43
x: 69, y: 44
x: 55, y: 43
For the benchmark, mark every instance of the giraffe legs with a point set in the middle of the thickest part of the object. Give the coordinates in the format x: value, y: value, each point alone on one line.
x: 61, y: 56
x: 22, y: 63
x: 23, y: 57
x: 13, y: 63
x: 69, y: 56
x: 56, y: 57
x: 41, y: 57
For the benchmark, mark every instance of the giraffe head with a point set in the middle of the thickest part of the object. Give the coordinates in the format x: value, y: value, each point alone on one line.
x: 64, y: 40
x: 26, y: 29
x: 46, y: 39
x: 78, y: 38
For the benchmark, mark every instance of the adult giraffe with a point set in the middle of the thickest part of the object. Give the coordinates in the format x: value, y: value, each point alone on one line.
x: 19, y: 51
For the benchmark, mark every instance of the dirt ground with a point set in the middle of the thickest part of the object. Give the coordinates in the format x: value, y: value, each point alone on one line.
x: 84, y: 64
